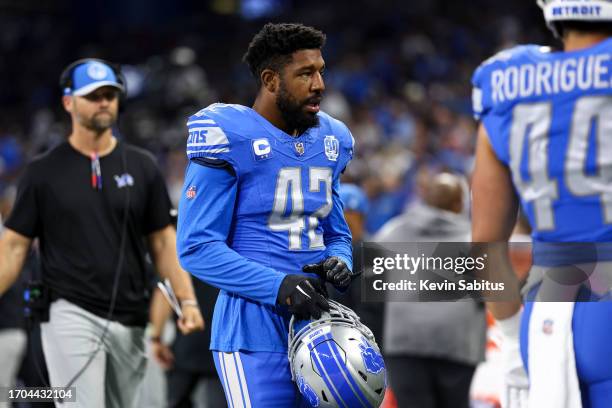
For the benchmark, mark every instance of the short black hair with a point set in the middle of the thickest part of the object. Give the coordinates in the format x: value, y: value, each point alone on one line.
x: 273, y: 45
x: 599, y: 27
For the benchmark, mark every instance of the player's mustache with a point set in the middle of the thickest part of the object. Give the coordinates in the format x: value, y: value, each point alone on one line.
x: 313, y: 100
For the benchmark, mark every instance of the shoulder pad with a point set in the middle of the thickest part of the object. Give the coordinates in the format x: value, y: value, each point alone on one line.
x: 481, y: 80
x: 213, y: 131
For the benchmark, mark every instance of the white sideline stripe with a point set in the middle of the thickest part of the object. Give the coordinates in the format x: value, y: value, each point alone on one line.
x: 201, y: 122
x: 203, y: 145
x: 199, y: 129
x: 233, y: 382
x: 243, y: 380
x: 228, y: 394
x: 222, y: 150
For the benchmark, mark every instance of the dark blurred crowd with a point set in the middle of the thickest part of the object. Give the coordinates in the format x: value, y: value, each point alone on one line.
x: 398, y: 74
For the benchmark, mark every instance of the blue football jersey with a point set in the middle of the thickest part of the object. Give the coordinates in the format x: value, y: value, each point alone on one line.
x: 276, y: 210
x: 549, y: 119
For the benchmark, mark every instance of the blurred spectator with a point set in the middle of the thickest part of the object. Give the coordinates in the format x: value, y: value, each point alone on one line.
x: 189, y: 362
x: 399, y: 76
x: 13, y: 339
x: 432, y: 348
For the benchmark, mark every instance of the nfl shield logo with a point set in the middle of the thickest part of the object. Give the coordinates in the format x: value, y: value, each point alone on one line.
x: 331, y: 147
x: 191, y: 192
x: 299, y: 148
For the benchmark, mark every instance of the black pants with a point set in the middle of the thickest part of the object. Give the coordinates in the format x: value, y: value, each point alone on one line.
x: 421, y: 382
x: 181, y: 385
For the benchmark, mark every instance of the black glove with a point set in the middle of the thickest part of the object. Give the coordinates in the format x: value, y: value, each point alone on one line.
x: 332, y: 270
x: 303, y: 295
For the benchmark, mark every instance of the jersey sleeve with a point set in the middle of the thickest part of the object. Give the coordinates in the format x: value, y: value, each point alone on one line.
x: 484, y: 108
x: 481, y: 103
x: 205, y: 217
x: 347, y: 147
x: 24, y: 217
x: 336, y: 233
x: 207, y: 140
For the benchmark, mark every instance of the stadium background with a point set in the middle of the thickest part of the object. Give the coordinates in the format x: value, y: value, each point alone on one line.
x: 398, y: 73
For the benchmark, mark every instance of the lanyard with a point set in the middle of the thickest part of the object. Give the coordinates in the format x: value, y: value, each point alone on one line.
x: 96, y: 172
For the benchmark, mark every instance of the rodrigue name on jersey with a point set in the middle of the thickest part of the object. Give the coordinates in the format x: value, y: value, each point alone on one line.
x: 549, y: 119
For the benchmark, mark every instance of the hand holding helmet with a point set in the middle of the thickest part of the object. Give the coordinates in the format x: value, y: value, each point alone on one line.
x: 304, y: 296
x: 336, y: 362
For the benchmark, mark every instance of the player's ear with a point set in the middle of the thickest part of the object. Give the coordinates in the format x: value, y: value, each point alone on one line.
x: 270, y: 80
x: 68, y: 102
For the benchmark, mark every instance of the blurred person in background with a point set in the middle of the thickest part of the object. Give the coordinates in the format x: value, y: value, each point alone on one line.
x: 23, y: 360
x: 502, y: 367
x: 91, y: 201
x: 544, y: 142
x: 13, y: 336
x: 188, y: 363
x: 432, y: 348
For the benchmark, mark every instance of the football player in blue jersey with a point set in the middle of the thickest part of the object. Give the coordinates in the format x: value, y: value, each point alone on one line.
x: 545, y: 141
x: 260, y: 216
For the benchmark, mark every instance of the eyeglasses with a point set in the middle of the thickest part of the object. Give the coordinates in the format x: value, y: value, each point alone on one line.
x: 98, y: 96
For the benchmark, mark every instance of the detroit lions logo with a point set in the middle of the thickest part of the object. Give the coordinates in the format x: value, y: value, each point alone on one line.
x: 307, y: 391
x: 372, y: 359
x: 124, y: 180
x: 96, y: 71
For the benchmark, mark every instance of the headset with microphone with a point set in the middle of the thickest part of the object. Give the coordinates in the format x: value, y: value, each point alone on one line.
x: 66, y: 80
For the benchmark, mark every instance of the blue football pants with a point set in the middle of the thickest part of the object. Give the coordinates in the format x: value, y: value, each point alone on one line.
x: 257, y: 379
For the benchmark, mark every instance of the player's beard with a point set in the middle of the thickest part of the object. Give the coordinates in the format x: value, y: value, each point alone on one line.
x: 293, y: 112
x: 99, y: 121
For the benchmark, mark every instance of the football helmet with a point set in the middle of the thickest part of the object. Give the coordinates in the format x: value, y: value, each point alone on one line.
x: 335, y: 360
x: 575, y: 10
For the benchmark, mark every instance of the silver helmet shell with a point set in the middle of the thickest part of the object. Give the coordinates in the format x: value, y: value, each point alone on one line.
x: 336, y: 362
x: 556, y: 11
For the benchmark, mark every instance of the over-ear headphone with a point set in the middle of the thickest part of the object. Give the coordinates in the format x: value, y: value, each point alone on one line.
x: 66, y: 78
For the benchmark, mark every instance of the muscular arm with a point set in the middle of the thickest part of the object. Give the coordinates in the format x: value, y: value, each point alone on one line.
x: 14, y: 248
x: 203, y: 229
x: 163, y: 249
x: 159, y: 313
x: 494, y: 209
x: 336, y: 233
